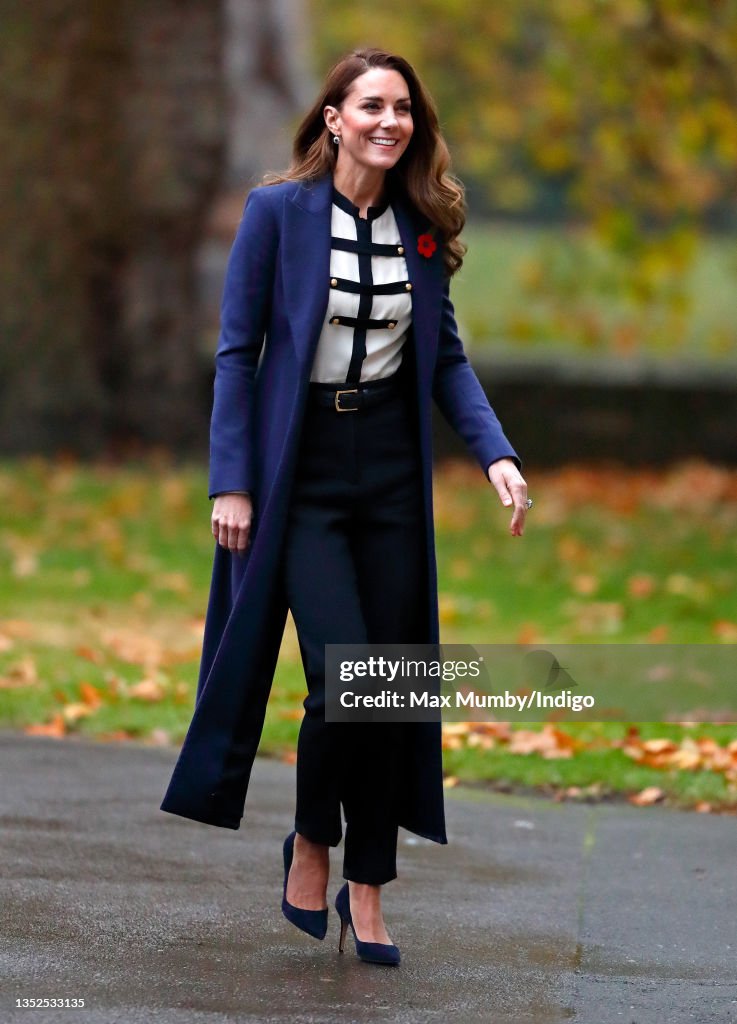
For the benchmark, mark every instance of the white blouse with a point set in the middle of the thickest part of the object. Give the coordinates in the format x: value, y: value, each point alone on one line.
x: 370, y: 305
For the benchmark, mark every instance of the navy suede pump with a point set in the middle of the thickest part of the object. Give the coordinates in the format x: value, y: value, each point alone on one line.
x: 371, y: 952
x: 314, y: 922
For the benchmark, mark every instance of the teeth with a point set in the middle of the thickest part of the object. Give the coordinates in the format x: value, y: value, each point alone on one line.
x: 384, y: 142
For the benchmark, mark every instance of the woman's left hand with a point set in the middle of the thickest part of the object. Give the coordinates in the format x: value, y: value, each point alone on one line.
x: 512, y: 489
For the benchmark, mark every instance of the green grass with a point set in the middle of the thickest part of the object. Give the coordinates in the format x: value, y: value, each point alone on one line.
x: 602, y: 774
x: 104, y: 574
x: 533, y: 289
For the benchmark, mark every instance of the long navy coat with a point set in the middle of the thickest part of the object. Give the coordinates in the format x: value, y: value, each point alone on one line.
x: 274, y: 304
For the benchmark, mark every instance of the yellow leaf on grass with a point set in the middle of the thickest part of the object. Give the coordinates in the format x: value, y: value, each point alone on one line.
x: 25, y: 564
x: 115, y: 736
x: 134, y: 647
x: 475, y: 739
x: 177, y: 582
x: 18, y: 628
x: 647, y: 796
x: 89, y: 654
x: 90, y: 694
x: 659, y: 746
x: 291, y: 714
x: 73, y: 712
x: 460, y: 569
x: 528, y: 633
x: 549, y: 742
x: 585, y: 583
x: 148, y: 689
x: 658, y: 634
x: 55, y: 728
x: 633, y: 750
x: 20, y: 673
x: 159, y: 737
x: 501, y: 730
x: 685, y: 760
x: 726, y: 631
x: 640, y: 585
x: 447, y: 608
x: 456, y: 728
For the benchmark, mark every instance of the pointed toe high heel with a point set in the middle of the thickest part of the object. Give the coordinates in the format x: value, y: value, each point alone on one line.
x: 314, y: 922
x: 371, y: 952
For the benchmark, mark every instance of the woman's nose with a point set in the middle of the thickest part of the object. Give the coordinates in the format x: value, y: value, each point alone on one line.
x: 388, y: 120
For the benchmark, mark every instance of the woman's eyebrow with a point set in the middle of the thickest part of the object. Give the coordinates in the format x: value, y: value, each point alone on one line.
x: 403, y: 99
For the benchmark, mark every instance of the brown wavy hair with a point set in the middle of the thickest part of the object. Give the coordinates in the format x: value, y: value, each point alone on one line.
x: 421, y: 173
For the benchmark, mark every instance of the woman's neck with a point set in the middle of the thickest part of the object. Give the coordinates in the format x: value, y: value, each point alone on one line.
x: 364, y: 188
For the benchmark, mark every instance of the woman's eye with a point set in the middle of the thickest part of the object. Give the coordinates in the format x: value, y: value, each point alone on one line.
x: 376, y: 106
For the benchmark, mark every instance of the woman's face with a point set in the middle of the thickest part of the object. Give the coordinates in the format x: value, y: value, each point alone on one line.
x: 374, y: 122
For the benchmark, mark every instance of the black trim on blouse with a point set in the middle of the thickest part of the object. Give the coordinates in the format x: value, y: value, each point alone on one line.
x: 345, y: 204
x: 364, y: 247
x: 342, y: 284
x: 363, y: 323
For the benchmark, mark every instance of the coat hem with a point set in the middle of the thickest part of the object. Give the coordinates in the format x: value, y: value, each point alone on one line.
x: 441, y: 839
x: 204, y: 817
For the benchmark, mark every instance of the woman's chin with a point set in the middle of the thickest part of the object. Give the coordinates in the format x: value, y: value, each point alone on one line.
x: 383, y: 161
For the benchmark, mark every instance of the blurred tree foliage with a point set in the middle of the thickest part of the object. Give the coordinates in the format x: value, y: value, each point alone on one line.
x: 633, y: 103
x: 625, y: 109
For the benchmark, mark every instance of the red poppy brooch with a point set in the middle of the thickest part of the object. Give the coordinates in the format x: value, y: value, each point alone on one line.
x: 426, y: 245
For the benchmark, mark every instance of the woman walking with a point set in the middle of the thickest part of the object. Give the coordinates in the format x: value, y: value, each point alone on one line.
x: 337, y: 332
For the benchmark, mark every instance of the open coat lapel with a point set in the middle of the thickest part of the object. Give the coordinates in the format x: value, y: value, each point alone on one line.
x: 306, y: 263
x: 427, y: 290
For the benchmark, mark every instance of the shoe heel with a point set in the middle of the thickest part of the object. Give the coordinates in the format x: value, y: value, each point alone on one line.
x: 372, y: 952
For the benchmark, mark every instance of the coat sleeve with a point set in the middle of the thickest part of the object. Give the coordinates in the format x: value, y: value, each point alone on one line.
x: 244, y: 313
x: 462, y: 400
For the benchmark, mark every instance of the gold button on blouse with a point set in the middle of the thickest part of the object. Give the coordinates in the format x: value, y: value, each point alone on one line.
x: 333, y: 282
x: 335, y: 320
x: 400, y: 250
x: 391, y: 326
x: 408, y: 286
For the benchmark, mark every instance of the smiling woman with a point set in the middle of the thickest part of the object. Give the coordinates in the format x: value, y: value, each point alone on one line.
x: 371, y: 101
x: 337, y: 334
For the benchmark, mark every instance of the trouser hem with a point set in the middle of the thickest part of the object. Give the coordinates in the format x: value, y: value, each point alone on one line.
x: 372, y: 880
x: 316, y: 836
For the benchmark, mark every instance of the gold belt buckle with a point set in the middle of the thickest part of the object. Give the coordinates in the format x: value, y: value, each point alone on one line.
x: 347, y: 391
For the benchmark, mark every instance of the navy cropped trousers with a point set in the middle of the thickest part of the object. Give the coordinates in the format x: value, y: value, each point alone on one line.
x: 355, y: 565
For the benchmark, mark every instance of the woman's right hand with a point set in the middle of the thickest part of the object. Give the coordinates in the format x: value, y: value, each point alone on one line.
x: 231, y: 521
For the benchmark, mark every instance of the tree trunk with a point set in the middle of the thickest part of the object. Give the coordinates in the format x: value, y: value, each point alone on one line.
x: 117, y: 129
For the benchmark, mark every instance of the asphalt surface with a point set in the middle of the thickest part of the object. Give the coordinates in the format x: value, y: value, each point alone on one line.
x: 534, y: 912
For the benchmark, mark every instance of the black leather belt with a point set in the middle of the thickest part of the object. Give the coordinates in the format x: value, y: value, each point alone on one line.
x: 344, y: 398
